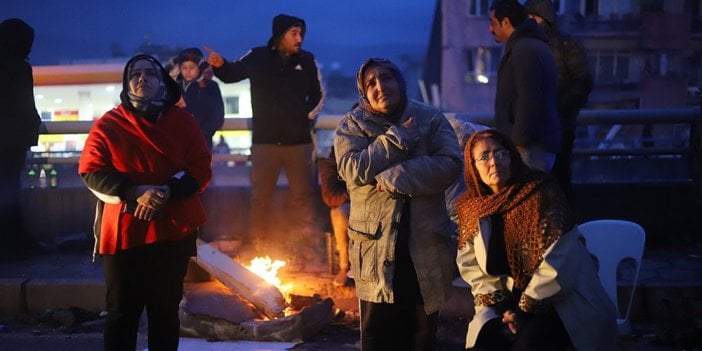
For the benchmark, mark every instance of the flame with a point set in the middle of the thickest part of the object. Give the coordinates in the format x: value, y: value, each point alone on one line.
x: 267, y: 268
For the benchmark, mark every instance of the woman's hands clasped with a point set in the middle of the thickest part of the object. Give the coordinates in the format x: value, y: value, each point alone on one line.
x: 150, y: 200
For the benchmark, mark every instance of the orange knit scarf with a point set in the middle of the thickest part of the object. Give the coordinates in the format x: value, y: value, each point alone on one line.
x: 535, y: 214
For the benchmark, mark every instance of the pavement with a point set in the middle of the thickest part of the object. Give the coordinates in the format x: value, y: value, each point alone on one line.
x: 666, y: 313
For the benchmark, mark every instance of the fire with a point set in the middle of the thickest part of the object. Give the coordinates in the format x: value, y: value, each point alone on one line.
x: 267, y: 268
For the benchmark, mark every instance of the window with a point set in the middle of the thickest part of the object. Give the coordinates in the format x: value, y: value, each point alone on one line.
x: 610, y: 66
x: 609, y: 9
x: 694, y: 71
x: 231, y: 105
x: 482, y: 64
x: 478, y: 7
x: 591, y: 8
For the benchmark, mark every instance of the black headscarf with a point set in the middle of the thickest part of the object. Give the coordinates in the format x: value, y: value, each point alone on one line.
x: 168, y: 94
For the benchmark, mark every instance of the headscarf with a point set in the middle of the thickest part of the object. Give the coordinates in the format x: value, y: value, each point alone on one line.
x: 534, y: 209
x: 167, y: 96
x: 363, y: 99
x: 281, y: 24
x: 16, y: 38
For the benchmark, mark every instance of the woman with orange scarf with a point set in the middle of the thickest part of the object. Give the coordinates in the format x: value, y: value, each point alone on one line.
x: 534, y: 284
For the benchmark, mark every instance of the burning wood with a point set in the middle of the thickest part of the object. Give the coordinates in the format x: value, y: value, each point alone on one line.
x: 262, y: 294
x: 302, y: 325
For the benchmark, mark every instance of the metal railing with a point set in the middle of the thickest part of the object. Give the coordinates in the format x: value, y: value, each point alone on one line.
x: 607, y: 138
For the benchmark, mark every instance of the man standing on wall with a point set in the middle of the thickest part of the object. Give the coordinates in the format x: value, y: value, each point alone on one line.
x: 525, y: 104
x: 286, y: 96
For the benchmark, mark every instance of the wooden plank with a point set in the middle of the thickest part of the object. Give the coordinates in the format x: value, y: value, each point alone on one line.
x: 266, y: 297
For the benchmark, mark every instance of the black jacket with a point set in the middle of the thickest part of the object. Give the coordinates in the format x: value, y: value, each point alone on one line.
x: 286, y: 93
x: 574, y: 77
x: 525, y: 104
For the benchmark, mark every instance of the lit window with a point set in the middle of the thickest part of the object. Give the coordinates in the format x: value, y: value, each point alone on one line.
x: 481, y: 64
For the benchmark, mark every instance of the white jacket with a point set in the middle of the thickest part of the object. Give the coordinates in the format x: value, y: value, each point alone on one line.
x: 567, y: 275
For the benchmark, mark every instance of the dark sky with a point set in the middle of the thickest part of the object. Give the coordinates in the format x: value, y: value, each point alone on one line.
x: 341, y: 31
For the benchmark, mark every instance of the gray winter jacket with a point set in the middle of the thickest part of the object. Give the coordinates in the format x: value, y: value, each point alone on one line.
x: 418, y: 164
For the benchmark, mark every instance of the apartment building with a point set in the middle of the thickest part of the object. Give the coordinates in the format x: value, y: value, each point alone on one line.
x: 643, y: 53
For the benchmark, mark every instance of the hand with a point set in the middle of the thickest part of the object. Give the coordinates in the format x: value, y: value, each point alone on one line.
x: 181, y: 103
x: 150, y: 200
x: 510, y: 318
x: 379, y: 187
x: 213, y: 57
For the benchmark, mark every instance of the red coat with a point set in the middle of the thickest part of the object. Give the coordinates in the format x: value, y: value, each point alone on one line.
x: 147, y: 152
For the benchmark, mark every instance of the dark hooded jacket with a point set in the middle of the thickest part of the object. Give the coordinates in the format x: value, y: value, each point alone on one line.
x: 286, y: 93
x: 525, y: 104
x: 18, y: 116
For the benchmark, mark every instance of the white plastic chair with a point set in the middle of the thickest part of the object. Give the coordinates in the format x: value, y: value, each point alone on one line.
x: 611, y: 241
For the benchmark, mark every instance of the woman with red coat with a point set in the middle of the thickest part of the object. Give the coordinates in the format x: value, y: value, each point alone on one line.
x: 146, y: 162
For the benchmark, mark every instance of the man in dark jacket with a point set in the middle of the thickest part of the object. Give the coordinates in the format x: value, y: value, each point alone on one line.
x: 574, y: 84
x: 286, y: 96
x: 525, y: 104
x: 20, y: 130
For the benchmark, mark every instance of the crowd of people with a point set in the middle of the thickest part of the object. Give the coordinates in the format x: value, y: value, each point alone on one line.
x: 415, y: 199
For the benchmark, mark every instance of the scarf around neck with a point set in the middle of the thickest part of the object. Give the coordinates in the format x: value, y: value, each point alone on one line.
x: 535, y: 214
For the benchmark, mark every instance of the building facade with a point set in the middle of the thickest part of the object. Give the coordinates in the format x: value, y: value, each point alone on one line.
x: 643, y: 53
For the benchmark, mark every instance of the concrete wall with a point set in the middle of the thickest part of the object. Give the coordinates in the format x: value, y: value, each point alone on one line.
x: 56, y: 213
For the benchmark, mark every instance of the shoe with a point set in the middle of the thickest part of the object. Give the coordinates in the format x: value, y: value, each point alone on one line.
x: 342, y: 278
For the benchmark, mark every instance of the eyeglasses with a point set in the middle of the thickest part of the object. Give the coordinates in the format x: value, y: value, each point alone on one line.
x: 498, y: 155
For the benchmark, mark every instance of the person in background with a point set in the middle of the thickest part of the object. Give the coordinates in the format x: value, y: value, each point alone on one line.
x: 397, y: 157
x: 200, y: 95
x: 463, y: 130
x: 20, y: 130
x: 222, y: 147
x: 335, y: 195
x: 534, y: 284
x: 146, y: 162
x: 525, y: 102
x: 574, y: 84
x: 286, y: 97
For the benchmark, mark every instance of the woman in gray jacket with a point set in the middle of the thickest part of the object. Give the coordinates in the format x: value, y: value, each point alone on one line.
x: 397, y: 157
